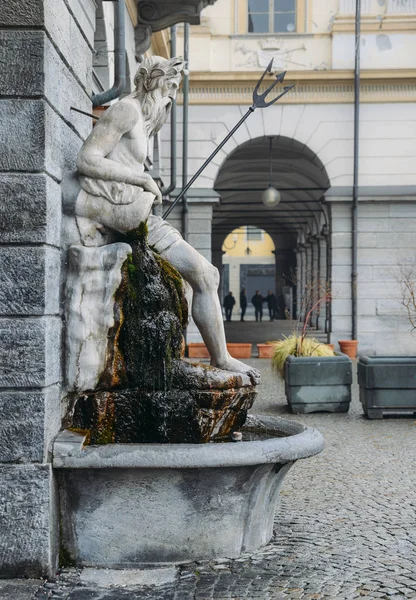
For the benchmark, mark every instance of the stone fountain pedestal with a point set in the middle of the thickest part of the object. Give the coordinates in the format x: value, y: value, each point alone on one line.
x: 129, y: 505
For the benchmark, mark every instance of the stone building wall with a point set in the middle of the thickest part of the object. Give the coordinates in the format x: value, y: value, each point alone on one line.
x: 45, y: 57
x: 386, y: 238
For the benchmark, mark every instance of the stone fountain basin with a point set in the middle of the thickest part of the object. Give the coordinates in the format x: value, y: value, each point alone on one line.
x: 126, y: 505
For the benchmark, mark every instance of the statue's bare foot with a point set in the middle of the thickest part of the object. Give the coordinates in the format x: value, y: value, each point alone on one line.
x: 236, y: 366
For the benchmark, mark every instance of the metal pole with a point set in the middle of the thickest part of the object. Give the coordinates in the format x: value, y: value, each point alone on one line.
x: 354, y: 215
x: 172, y: 185
x: 185, y: 209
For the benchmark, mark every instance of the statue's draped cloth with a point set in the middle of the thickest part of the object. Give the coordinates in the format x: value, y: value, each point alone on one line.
x: 122, y: 207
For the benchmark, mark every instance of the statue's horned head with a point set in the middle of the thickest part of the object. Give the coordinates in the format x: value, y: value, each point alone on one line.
x: 155, y: 72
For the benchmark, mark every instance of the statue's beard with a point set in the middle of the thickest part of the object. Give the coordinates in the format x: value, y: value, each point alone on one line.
x: 156, y: 109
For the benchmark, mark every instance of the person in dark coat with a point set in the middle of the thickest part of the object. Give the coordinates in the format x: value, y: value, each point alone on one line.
x: 243, y: 303
x: 272, y: 305
x: 229, y: 302
x: 257, y: 301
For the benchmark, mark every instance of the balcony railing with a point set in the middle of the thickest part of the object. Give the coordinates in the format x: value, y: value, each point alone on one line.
x: 372, y: 7
x: 401, y: 7
x: 347, y: 7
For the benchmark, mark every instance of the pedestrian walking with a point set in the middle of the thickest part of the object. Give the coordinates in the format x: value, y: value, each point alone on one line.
x: 229, y: 302
x: 257, y: 301
x: 243, y: 303
x: 272, y: 305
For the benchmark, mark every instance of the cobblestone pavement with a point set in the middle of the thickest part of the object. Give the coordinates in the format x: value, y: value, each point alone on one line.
x: 345, y: 526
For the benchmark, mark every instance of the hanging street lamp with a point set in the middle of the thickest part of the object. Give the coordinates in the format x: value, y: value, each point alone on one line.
x: 270, y: 197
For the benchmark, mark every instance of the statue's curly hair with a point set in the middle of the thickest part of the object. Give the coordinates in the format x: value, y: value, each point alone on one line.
x: 154, y: 70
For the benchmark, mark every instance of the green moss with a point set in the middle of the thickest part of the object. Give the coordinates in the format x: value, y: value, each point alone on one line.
x: 66, y: 560
x: 172, y: 278
x: 85, y: 432
x: 140, y: 233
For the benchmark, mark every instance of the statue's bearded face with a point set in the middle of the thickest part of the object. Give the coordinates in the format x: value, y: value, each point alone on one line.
x: 157, y: 81
x: 156, y: 104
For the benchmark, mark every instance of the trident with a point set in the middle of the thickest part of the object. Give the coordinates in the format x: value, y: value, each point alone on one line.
x: 259, y: 101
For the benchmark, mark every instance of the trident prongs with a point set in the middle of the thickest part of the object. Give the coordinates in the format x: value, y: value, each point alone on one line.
x: 259, y: 100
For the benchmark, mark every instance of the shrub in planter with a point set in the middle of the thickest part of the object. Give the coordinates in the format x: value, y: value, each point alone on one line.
x: 316, y: 379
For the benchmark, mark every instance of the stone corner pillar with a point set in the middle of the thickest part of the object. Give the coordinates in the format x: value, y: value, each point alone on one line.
x: 46, y: 68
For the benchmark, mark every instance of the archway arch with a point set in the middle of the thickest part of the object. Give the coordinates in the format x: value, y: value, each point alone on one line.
x: 296, y: 224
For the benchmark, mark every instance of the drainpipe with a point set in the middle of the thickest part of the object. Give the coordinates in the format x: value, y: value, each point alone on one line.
x: 167, y: 190
x: 119, y: 58
x: 354, y: 215
x: 185, y: 131
x: 328, y: 319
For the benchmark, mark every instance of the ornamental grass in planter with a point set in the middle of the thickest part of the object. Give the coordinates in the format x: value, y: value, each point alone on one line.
x: 316, y: 378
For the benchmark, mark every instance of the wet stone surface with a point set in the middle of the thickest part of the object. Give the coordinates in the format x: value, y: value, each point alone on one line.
x: 345, y: 527
x: 146, y: 393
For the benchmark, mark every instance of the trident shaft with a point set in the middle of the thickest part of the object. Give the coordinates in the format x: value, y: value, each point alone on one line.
x: 259, y: 101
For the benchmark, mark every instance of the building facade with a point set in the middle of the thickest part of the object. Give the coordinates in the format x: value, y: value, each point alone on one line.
x: 312, y: 128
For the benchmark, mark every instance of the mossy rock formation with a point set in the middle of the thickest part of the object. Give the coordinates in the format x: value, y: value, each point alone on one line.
x: 146, y: 393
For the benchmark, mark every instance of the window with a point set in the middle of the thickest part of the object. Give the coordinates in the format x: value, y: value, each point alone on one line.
x: 254, y: 234
x: 271, y: 16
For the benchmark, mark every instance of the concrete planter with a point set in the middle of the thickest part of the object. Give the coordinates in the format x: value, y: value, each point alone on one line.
x: 239, y: 350
x: 124, y: 505
x: 265, y: 350
x: 314, y: 383
x: 387, y: 385
x: 198, y: 350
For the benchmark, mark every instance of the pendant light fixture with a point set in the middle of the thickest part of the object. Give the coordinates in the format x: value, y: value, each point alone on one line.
x: 270, y: 197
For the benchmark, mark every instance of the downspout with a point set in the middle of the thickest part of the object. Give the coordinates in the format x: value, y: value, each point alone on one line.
x: 318, y: 309
x: 185, y: 131
x: 354, y: 215
x: 167, y: 190
x: 119, y: 58
x: 328, y: 319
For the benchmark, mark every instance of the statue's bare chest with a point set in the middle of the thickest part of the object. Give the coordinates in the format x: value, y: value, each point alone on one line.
x: 132, y: 148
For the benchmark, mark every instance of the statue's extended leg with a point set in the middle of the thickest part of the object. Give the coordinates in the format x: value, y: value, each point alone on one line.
x: 206, y: 308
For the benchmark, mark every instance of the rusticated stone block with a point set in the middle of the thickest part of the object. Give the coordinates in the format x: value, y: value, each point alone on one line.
x: 22, y: 126
x: 28, y: 423
x: 68, y: 39
x: 30, y: 351
x: 28, y: 532
x: 29, y: 280
x: 21, y: 77
x: 62, y: 147
x: 24, y: 13
x: 30, y: 209
x: 61, y: 84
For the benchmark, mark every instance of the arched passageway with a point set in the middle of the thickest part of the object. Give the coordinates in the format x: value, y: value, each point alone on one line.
x: 298, y: 225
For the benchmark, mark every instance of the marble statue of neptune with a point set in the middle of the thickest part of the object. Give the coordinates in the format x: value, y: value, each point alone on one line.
x: 117, y: 195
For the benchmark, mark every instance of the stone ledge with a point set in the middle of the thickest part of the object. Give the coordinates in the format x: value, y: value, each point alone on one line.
x: 69, y: 453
